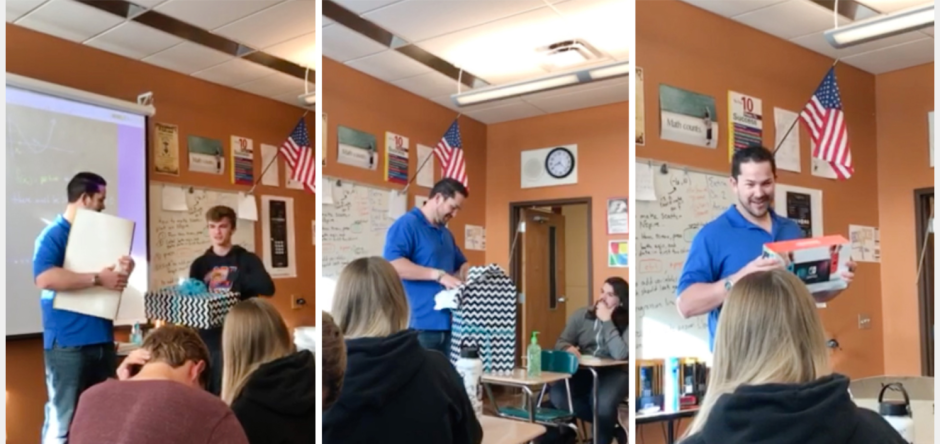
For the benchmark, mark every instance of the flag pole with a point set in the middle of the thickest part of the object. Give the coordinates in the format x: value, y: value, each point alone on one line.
x: 265, y: 170
x: 404, y: 191
x: 792, y: 125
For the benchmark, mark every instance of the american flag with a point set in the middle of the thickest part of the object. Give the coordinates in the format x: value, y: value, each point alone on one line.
x: 825, y: 122
x: 299, y: 154
x: 450, y: 153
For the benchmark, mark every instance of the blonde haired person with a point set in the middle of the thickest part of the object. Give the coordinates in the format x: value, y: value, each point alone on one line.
x: 771, y: 382
x: 270, y: 386
x: 394, y: 391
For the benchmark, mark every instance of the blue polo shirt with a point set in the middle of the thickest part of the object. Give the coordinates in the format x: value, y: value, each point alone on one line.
x: 415, y: 238
x: 65, y: 328
x: 726, y: 245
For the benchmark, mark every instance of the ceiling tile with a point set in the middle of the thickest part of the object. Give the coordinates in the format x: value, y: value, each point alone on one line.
x: 817, y: 42
x: 731, y: 8
x: 505, y: 112
x: 211, y: 14
x: 418, y: 20
x: 188, y: 58
x: 279, y: 23
x: 894, y: 58
x: 234, y: 72
x: 363, y: 6
x: 928, y: 31
x: 69, y: 20
x: 149, y: 4
x: 299, y: 50
x: 889, y: 6
x: 291, y: 98
x: 389, y: 66
x: 326, y: 22
x: 599, y: 23
x: 134, y: 40
x: 791, y: 19
x: 274, y: 85
x: 342, y: 44
x: 432, y: 84
x: 18, y: 8
x: 582, y: 96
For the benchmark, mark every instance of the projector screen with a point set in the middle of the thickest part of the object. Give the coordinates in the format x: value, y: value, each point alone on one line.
x: 49, y: 139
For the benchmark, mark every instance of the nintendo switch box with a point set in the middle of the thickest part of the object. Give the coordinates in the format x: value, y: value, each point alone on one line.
x: 819, y: 262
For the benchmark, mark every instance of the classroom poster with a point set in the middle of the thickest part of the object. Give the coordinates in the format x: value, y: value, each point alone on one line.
x: 474, y: 237
x: 420, y: 200
x: 799, y: 210
x: 745, y: 122
x: 640, y: 109
x: 618, y: 253
x: 618, y: 220
x: 788, y: 150
x: 866, y: 243
x: 269, y: 166
x: 277, y: 232
x: 687, y: 117
x: 425, y: 176
x: 396, y: 158
x: 243, y: 161
x: 356, y: 148
x: 803, y: 205
x: 820, y: 167
x: 167, y: 144
x: 205, y: 155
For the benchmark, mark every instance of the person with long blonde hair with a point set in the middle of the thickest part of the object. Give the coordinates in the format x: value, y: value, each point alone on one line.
x: 270, y: 386
x: 394, y: 390
x: 771, y: 381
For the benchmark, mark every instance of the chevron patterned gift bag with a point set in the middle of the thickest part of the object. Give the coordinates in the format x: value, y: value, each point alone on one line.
x: 203, y: 311
x: 486, y: 318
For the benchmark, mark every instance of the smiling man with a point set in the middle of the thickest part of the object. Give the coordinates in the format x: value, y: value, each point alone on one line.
x: 730, y: 247
x: 227, y: 267
x: 427, y: 259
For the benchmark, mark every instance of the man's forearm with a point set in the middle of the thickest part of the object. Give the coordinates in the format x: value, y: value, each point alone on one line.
x: 464, y: 270
x: 60, y: 279
x: 413, y: 272
x: 699, y: 299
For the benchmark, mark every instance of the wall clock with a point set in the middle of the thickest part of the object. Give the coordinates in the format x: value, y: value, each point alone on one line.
x: 559, y: 162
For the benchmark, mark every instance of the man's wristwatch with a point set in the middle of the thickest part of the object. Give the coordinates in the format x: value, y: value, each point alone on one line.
x: 95, y: 280
x: 728, y: 285
x: 440, y: 275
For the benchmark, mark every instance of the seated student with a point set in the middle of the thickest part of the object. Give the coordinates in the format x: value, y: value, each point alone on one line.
x: 270, y: 386
x: 599, y: 331
x: 334, y: 361
x: 395, y: 391
x: 771, y: 381
x: 164, y: 402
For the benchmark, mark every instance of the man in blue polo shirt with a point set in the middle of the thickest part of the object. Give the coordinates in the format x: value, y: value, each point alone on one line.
x: 427, y: 259
x: 78, y: 349
x: 730, y: 247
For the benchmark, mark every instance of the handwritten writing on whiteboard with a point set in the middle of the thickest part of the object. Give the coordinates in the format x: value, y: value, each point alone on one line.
x: 354, y: 225
x: 178, y: 238
x: 685, y: 201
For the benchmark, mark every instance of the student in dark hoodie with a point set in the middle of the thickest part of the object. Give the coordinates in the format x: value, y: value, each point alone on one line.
x: 771, y: 382
x: 270, y: 386
x: 227, y: 267
x: 394, y: 391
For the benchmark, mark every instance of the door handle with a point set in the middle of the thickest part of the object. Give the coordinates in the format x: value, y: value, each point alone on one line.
x: 561, y: 299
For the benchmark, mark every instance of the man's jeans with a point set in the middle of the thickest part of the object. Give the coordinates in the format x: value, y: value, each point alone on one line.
x: 69, y: 372
x: 435, y: 340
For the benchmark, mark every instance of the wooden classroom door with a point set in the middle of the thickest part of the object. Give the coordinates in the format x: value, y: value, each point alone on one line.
x: 543, y: 278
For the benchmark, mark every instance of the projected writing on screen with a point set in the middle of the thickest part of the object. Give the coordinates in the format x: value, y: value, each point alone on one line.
x: 665, y: 229
x: 353, y: 226
x: 177, y: 238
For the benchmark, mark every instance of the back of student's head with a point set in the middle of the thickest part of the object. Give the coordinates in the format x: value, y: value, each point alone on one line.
x: 369, y: 300
x: 334, y: 361
x: 183, y: 350
x: 254, y: 333
x: 769, y: 331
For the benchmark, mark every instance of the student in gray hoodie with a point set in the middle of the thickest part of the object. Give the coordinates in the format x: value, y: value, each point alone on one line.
x: 599, y: 331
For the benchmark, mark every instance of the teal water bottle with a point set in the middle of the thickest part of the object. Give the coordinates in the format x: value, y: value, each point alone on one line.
x: 534, y: 353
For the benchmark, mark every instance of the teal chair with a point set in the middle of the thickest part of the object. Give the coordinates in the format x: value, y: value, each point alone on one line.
x: 557, y: 362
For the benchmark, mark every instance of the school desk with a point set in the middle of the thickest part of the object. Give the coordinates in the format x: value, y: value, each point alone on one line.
x: 506, y: 431
x: 670, y: 418
x: 520, y: 379
x: 592, y: 364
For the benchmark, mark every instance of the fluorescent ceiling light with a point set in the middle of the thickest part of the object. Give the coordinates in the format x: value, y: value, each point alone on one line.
x: 567, y: 57
x: 308, y: 99
x: 555, y: 81
x: 883, y: 26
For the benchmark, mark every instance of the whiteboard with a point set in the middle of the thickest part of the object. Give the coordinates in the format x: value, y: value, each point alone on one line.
x: 354, y: 226
x: 687, y: 200
x: 177, y: 238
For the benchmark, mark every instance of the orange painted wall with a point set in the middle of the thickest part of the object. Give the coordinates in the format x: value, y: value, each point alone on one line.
x: 359, y: 101
x: 903, y: 100
x: 198, y: 107
x: 602, y: 136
